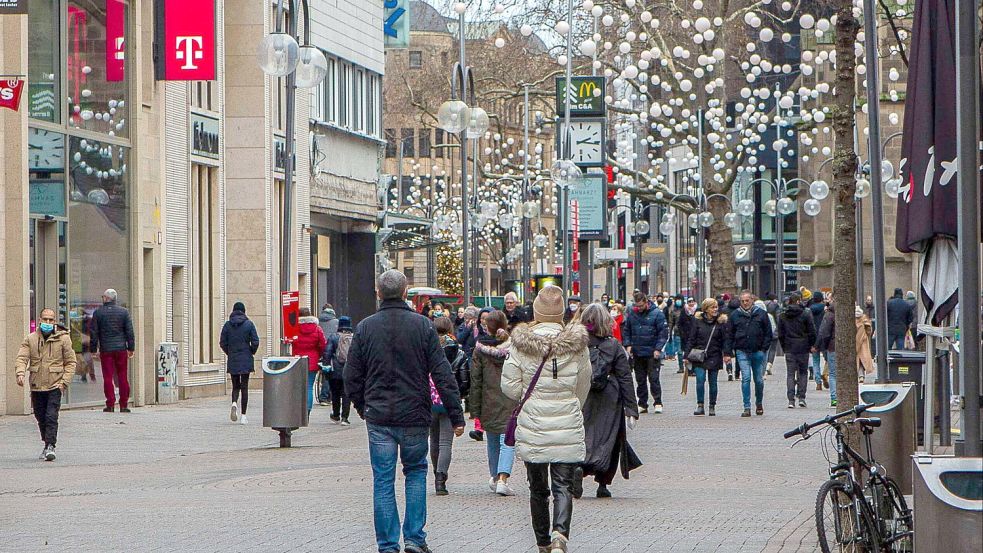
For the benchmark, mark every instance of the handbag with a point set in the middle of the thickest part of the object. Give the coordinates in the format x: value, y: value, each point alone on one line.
x: 514, y: 419
x: 699, y: 356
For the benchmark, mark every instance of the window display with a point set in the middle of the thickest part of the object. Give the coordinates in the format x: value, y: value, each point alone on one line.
x: 96, y: 66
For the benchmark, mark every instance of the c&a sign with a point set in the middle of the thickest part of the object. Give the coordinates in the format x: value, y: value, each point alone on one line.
x: 184, y: 48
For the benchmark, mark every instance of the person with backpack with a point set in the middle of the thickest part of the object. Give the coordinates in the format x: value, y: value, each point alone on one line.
x: 334, y: 359
x: 328, y: 321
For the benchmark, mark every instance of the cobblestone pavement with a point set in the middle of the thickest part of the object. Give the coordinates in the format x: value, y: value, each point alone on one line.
x: 184, y: 478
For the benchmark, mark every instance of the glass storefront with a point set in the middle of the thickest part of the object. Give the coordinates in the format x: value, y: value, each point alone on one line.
x: 80, y: 186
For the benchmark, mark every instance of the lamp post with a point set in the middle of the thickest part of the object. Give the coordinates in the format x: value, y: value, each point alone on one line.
x: 303, y: 66
x: 462, y: 117
x: 638, y: 228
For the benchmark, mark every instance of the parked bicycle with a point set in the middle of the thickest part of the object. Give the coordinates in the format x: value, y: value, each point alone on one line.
x: 853, y: 516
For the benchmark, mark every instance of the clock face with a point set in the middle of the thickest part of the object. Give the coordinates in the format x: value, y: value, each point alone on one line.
x: 46, y: 150
x: 587, y: 142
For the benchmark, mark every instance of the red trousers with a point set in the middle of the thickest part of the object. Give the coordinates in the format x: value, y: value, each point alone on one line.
x: 115, y: 363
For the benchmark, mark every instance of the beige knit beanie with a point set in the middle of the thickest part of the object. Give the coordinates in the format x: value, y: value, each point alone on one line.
x: 549, y: 305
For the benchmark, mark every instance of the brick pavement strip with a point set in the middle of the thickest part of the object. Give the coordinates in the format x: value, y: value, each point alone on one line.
x: 184, y: 478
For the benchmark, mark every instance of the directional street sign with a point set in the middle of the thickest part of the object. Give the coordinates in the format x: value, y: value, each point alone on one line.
x: 586, y: 95
x: 794, y: 267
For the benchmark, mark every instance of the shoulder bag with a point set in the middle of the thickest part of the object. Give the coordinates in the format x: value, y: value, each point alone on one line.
x: 514, y: 419
x: 699, y: 356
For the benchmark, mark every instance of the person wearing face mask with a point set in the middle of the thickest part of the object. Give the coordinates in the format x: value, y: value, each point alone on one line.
x: 573, y: 309
x: 618, y: 316
x: 675, y: 308
x: 683, y: 328
x: 48, y: 356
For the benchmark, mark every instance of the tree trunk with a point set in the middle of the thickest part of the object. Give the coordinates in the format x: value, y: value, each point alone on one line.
x: 844, y: 188
x: 720, y: 243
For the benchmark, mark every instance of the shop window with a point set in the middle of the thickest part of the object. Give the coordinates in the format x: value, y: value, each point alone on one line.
x: 44, y: 62
x: 204, y: 269
x: 98, y: 97
x: 416, y: 59
x: 98, y: 213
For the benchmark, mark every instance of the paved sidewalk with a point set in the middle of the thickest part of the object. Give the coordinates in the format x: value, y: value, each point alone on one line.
x: 184, y: 478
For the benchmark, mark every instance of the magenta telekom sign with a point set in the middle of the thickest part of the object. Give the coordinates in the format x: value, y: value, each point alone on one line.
x: 185, y: 36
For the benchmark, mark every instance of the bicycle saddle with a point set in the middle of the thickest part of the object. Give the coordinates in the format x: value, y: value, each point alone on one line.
x: 869, y: 422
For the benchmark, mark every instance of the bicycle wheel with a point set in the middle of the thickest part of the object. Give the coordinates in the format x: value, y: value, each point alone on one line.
x: 897, y: 519
x: 842, y: 528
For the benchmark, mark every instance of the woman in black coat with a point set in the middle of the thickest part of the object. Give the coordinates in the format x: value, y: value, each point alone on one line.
x: 710, y: 333
x: 240, y: 342
x: 611, y: 399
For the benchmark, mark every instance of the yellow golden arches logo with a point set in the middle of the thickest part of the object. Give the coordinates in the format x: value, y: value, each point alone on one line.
x: 587, y: 89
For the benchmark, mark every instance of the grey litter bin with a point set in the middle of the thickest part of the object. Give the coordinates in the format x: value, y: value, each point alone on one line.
x: 893, y: 443
x: 948, y: 503
x: 285, y: 395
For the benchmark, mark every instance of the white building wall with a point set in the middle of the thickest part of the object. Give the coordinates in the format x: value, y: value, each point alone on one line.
x: 350, y: 29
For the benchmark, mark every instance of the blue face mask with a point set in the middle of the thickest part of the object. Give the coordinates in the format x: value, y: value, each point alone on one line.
x: 679, y: 303
x: 47, y: 327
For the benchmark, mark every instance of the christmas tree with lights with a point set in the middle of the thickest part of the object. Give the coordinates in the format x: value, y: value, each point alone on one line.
x: 450, y: 270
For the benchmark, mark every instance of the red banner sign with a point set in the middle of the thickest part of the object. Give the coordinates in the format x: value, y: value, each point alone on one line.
x: 291, y: 315
x: 10, y: 91
x: 115, y: 40
x: 185, y: 36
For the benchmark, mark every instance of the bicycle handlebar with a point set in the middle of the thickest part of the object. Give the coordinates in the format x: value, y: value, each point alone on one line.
x: 806, y: 427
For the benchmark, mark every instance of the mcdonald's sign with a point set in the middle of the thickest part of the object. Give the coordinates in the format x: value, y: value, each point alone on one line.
x: 585, y: 95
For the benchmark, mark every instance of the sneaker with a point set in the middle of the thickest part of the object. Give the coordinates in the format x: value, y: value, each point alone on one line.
x: 658, y: 409
x: 603, y: 492
x: 559, y: 544
x: 493, y: 484
x: 791, y: 405
x: 746, y: 413
x: 108, y: 410
x: 44, y: 453
x: 503, y: 489
x: 802, y: 403
x: 699, y: 411
x: 49, y: 453
x: 124, y: 409
x: 832, y: 403
x: 344, y: 422
x: 234, y: 414
x: 712, y: 411
x: 759, y: 410
x: 768, y: 369
x: 643, y: 410
x: 413, y: 548
x: 324, y: 403
x: 335, y: 418
x: 243, y: 421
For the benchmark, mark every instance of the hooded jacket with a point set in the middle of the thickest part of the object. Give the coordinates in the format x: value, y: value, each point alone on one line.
x: 486, y: 401
x: 551, y: 424
x: 51, y: 361
x: 796, y: 329
x: 826, y: 339
x: 328, y: 321
x: 751, y: 329
x: 646, y: 331
x: 394, y: 355
x: 310, y: 342
x: 240, y: 342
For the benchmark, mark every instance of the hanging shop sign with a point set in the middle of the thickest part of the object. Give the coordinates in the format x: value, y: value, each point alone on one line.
x: 184, y: 42
x: 13, y: 7
x: 585, y: 94
x: 396, y: 23
x: 590, y: 193
x: 115, y: 40
x: 10, y: 92
x: 205, y: 137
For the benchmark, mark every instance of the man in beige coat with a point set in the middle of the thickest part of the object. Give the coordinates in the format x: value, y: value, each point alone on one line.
x: 48, y: 356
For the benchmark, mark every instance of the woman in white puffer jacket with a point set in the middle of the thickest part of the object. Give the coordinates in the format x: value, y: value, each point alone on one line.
x: 550, y: 431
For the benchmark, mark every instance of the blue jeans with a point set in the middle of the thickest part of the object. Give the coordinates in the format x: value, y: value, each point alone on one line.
x: 672, y: 346
x: 701, y: 379
x: 411, y: 444
x: 500, y: 456
x: 831, y: 357
x: 817, y: 367
x: 752, y: 363
x: 311, y: 377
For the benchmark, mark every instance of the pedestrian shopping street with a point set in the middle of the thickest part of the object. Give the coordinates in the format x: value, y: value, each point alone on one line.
x: 184, y: 478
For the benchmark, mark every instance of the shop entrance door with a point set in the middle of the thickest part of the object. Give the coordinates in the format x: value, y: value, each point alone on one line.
x: 49, y: 285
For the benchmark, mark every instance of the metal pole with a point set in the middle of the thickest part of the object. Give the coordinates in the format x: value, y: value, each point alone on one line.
x: 465, y: 232
x: 525, y: 274
x: 780, y: 193
x: 968, y: 158
x: 288, y: 173
x: 700, y: 235
x: 638, y: 241
x: 564, y: 192
x: 877, y: 190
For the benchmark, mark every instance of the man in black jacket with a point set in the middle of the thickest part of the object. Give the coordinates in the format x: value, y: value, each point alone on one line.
x: 393, y: 357
x: 797, y: 334
x: 514, y: 312
x: 899, y: 317
x: 752, y: 339
x: 113, y: 338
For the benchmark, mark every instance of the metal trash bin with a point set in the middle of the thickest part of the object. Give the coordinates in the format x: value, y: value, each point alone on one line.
x: 909, y: 366
x: 285, y: 395
x: 894, y: 442
x: 948, y: 503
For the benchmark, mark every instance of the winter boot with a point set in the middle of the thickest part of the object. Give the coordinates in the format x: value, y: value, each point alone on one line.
x: 440, y: 483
